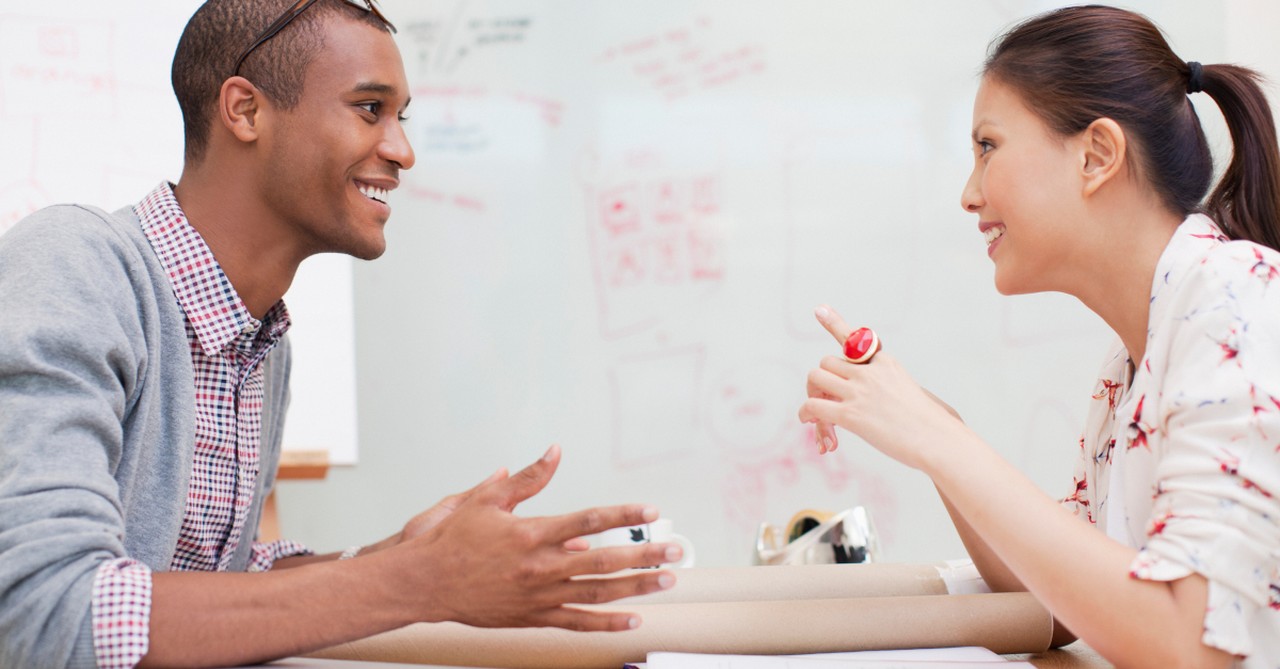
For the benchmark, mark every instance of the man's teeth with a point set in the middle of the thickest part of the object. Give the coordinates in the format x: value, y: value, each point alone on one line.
x: 993, y: 233
x: 373, y: 192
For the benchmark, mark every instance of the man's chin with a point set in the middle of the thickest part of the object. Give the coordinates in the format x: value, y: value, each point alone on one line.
x: 369, y: 253
x: 366, y: 248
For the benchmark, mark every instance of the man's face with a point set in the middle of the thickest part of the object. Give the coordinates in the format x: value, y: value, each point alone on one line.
x: 332, y: 159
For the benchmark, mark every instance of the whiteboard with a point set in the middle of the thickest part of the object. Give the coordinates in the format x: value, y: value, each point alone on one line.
x: 620, y: 221
x: 621, y: 218
x: 87, y: 116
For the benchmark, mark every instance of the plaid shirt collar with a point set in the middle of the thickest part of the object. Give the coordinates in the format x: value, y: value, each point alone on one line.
x: 217, y: 315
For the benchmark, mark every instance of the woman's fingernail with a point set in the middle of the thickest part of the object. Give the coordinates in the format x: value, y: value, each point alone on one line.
x: 821, y: 313
x: 828, y: 442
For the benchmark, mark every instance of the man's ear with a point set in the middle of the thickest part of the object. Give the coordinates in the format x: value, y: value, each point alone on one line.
x: 239, y: 107
x: 1104, y: 153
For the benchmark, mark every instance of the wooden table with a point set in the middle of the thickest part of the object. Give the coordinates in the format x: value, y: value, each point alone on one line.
x: 1075, y: 656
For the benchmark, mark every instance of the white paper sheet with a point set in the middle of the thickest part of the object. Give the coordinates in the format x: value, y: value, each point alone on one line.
x: 927, y: 658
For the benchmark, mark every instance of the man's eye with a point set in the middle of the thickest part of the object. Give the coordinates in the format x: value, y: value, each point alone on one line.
x: 371, y: 107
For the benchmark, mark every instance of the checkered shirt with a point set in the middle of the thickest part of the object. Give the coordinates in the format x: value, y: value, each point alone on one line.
x: 228, y: 346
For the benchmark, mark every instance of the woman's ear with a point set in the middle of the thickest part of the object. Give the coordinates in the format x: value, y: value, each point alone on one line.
x: 238, y: 108
x: 1104, y: 153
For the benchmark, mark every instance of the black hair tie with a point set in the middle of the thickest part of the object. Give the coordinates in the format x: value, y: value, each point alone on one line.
x: 1195, y: 79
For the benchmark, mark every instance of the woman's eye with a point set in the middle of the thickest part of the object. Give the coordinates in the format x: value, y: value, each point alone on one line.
x: 984, y: 146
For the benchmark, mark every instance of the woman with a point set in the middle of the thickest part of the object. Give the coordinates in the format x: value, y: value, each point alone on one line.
x: 1089, y: 176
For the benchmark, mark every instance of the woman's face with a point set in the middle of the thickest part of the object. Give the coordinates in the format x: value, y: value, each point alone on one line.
x: 1026, y: 190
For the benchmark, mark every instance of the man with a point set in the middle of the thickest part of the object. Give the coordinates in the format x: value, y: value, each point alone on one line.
x: 143, y: 377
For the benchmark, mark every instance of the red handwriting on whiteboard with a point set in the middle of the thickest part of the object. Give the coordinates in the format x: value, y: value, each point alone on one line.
x: 62, y: 63
x: 656, y: 232
x: 653, y: 241
x: 456, y: 200
x: 685, y: 60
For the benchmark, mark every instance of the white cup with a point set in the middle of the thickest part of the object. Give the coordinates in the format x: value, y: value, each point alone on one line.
x: 659, y: 531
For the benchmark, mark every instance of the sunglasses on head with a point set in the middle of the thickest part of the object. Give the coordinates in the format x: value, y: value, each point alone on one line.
x: 292, y: 13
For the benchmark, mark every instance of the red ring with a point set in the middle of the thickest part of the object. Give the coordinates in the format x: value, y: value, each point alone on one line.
x: 861, y: 345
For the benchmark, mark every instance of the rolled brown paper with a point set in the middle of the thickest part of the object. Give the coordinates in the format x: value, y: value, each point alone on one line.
x: 820, y: 581
x: 1004, y: 623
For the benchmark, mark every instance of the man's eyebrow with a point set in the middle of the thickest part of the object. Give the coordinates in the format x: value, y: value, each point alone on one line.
x: 374, y: 87
x: 380, y: 89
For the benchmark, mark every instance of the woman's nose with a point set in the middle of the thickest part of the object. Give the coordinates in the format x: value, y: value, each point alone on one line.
x: 971, y: 197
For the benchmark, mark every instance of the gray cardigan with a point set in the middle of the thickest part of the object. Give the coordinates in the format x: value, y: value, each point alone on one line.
x: 97, y: 424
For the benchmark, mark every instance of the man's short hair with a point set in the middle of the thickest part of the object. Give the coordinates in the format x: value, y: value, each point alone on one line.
x: 221, y: 30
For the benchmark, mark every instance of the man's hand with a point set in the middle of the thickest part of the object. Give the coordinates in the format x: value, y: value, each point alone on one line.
x: 477, y: 563
x: 423, y: 522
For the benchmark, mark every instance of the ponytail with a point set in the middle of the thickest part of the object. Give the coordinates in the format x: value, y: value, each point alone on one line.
x: 1246, y: 202
x: 1074, y: 65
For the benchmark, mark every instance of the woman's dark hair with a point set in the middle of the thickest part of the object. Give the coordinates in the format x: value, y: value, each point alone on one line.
x: 1075, y: 65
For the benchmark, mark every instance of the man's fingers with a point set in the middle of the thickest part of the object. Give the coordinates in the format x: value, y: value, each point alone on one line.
x: 463, y: 496
x: 605, y: 589
x: 833, y: 323
x: 592, y: 521
x: 577, y: 545
x: 528, y: 481
x: 617, y: 558
x: 579, y: 620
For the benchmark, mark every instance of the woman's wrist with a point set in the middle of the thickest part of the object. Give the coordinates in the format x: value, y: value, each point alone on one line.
x: 955, y: 458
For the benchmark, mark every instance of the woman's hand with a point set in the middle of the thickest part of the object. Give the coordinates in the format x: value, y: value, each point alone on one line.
x: 876, y: 400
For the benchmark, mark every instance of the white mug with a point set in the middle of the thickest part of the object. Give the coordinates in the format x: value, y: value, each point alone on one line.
x: 658, y: 532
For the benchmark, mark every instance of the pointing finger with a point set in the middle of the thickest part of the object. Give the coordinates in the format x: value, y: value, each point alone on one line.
x: 833, y: 323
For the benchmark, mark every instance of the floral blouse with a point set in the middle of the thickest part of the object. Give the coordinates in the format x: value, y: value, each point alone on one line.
x: 1180, y: 456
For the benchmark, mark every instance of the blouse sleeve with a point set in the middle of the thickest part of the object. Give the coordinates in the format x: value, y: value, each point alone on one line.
x: 1076, y: 502
x: 1215, y: 512
x: 1096, y: 443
